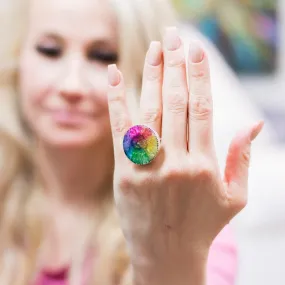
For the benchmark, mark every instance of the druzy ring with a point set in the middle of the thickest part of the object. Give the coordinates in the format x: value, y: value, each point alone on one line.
x: 141, y: 144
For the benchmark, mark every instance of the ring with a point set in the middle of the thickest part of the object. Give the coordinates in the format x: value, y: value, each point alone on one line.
x: 141, y: 144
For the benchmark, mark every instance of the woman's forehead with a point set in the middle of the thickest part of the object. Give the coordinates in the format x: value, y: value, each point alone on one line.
x: 74, y: 18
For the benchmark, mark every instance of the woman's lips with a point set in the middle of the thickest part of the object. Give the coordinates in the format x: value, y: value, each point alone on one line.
x: 69, y: 117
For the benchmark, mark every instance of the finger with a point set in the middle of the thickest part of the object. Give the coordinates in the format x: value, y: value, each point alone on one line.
x: 237, y: 165
x: 150, y: 105
x: 119, y: 115
x: 174, y: 92
x: 200, y: 100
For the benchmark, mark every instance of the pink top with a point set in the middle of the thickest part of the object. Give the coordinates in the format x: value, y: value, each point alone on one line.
x: 223, y: 259
x: 54, y: 278
x: 221, y: 270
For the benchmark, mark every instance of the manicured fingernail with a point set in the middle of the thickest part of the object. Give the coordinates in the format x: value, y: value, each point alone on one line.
x: 196, y: 53
x: 172, y: 40
x: 113, y: 75
x: 256, y: 130
x: 154, y: 54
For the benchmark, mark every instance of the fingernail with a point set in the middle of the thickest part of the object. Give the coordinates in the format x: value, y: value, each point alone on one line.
x: 256, y: 130
x: 196, y: 53
x: 172, y: 40
x: 154, y: 54
x: 113, y: 75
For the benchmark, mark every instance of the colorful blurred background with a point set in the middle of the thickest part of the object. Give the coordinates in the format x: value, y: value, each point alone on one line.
x: 245, y: 31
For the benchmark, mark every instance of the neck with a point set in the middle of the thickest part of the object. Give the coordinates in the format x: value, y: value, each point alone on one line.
x: 76, y: 176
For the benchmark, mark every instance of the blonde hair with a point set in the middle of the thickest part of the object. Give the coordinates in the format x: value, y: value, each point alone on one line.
x: 139, y: 22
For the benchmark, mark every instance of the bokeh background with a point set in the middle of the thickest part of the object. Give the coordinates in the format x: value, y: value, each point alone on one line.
x: 245, y: 31
x: 249, y: 35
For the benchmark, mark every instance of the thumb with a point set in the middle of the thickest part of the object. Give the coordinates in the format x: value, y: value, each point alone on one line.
x: 237, y: 165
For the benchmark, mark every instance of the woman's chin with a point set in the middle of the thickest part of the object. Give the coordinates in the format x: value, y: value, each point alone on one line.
x: 73, y: 136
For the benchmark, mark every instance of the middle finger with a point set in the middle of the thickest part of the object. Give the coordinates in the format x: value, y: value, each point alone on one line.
x: 174, y: 93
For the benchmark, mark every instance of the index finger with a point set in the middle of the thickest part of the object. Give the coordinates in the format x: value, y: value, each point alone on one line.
x: 118, y: 111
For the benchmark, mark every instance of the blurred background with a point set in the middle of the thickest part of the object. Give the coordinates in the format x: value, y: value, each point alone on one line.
x: 249, y: 35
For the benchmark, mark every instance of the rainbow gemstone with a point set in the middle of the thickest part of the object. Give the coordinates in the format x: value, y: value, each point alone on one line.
x: 141, y: 144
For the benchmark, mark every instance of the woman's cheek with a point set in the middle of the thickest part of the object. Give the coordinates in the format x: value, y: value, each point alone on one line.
x: 100, y: 85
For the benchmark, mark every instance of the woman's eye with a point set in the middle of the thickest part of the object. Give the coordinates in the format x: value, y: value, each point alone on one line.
x: 52, y: 52
x: 105, y: 57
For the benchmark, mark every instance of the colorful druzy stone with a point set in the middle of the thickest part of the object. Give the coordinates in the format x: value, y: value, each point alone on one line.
x: 141, y: 144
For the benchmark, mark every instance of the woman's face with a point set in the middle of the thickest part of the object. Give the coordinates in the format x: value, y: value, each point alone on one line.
x: 63, y: 70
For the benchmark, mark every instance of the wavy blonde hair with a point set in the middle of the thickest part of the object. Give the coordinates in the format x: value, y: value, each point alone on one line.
x: 21, y: 218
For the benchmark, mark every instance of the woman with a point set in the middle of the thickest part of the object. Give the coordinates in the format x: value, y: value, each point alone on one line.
x: 58, y: 221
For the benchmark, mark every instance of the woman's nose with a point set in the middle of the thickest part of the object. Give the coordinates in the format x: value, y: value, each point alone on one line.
x: 73, y: 86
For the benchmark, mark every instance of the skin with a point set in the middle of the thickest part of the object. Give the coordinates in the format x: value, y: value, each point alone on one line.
x: 64, y: 100
x: 179, y: 201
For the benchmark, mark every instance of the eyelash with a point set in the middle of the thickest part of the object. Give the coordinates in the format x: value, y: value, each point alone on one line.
x: 104, y: 57
x: 49, y: 51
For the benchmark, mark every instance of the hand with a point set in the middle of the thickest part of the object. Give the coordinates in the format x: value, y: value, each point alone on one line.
x: 172, y: 209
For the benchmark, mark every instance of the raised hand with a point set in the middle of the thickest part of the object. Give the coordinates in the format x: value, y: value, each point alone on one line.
x: 172, y: 208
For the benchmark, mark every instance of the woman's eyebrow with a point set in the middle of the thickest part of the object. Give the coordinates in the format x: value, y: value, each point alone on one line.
x: 96, y: 41
x: 50, y: 35
x: 102, y: 42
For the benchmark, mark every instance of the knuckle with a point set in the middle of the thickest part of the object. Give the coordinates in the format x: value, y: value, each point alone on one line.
x: 245, y: 157
x: 171, y: 174
x: 152, y: 73
x: 175, y: 59
x: 237, y: 198
x: 151, y: 115
x: 119, y: 125
x: 201, y: 107
x: 200, y: 75
x: 116, y: 96
x: 125, y: 184
x: 239, y: 204
x: 204, y: 172
x: 242, y: 202
x: 204, y: 169
x: 177, y: 103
